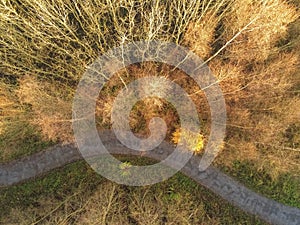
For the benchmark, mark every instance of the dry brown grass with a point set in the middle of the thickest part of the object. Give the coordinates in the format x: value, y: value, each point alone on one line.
x: 51, y: 106
x: 9, y: 107
x: 147, y: 208
x: 105, y: 206
x: 14, y: 123
x: 110, y: 203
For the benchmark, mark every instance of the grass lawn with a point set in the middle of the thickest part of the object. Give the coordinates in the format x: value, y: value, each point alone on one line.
x: 76, y: 194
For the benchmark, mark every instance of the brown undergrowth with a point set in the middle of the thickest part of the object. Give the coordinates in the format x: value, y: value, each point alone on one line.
x: 45, y: 48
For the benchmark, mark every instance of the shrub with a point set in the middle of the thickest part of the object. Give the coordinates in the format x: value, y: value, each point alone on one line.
x: 195, y: 142
x: 267, y: 23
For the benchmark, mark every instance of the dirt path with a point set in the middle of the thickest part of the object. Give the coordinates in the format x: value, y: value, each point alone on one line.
x: 57, y: 156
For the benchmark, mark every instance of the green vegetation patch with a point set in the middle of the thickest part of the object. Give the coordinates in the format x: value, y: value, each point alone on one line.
x: 285, y: 188
x: 76, y: 194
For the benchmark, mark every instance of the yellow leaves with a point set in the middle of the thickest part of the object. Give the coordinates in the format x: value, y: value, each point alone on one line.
x: 194, y: 141
x: 124, y: 167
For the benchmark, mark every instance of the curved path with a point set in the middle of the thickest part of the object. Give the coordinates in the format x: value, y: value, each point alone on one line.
x: 221, y: 184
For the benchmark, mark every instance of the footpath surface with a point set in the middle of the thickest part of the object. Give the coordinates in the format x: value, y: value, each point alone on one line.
x: 57, y: 156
